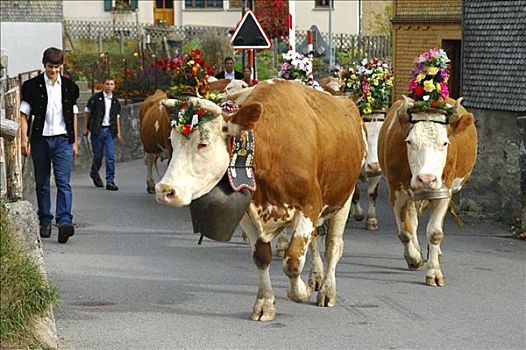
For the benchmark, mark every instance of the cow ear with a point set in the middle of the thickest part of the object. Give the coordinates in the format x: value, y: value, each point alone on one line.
x: 247, y: 116
x: 465, y: 121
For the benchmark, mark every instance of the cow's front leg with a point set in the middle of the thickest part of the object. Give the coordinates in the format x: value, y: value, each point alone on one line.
x: 149, y: 160
x: 333, y: 254
x: 372, y: 194
x: 263, y: 309
x: 294, y: 260
x: 435, y: 235
x: 407, y: 223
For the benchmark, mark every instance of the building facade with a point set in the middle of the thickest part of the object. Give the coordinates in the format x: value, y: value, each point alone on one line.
x: 217, y: 13
x: 27, y: 29
x: 486, y: 44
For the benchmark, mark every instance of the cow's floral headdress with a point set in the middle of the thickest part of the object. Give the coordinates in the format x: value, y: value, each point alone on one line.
x: 371, y: 83
x: 190, y: 74
x: 428, y: 88
x: 297, y: 67
x: 188, y: 115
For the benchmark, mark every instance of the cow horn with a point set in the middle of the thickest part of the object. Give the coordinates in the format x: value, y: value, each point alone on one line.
x: 402, y: 110
x: 168, y: 102
x: 456, y: 116
x: 208, y: 105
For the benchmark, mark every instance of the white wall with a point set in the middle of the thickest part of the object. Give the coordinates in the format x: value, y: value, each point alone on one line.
x: 93, y: 10
x: 25, y: 42
x: 344, y: 16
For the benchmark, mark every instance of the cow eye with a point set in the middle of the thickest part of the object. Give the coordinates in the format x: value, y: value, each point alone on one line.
x: 202, y: 145
x: 446, y: 143
x: 408, y: 142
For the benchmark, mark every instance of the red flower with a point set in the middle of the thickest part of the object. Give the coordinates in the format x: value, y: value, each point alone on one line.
x: 196, y: 52
x: 419, y: 90
x: 434, y: 104
x: 200, y: 111
x: 375, y: 61
x: 187, y: 128
x: 184, y: 105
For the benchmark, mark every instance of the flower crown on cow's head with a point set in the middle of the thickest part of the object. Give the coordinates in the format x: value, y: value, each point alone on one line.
x: 297, y: 67
x: 188, y: 115
x: 428, y: 88
x: 190, y: 74
x: 371, y: 83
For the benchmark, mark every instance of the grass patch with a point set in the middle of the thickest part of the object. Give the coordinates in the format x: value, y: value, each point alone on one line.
x: 24, y: 291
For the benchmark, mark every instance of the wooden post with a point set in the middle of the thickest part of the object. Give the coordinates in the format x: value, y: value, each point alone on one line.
x: 13, y: 156
x: 8, y: 129
x: 521, y: 123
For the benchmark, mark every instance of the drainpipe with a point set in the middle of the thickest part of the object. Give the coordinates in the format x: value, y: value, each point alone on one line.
x: 521, y: 123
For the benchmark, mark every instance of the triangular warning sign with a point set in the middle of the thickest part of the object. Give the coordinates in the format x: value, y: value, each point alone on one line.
x: 249, y: 34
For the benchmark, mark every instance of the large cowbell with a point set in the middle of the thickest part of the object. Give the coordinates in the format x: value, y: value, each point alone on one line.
x: 217, y: 213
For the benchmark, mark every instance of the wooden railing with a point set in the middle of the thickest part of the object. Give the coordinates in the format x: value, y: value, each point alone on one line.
x: 11, y: 135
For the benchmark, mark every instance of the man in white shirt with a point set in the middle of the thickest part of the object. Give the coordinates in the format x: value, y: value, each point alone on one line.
x: 49, y: 133
x: 229, y: 72
x: 102, y: 119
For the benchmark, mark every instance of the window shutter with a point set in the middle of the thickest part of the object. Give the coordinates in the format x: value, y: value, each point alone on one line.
x: 134, y: 4
x: 108, y: 5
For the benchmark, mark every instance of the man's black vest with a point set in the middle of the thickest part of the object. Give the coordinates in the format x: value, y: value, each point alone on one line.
x: 96, y: 104
x: 34, y: 92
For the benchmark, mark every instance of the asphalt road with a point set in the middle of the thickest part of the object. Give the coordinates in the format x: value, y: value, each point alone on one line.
x: 133, y: 277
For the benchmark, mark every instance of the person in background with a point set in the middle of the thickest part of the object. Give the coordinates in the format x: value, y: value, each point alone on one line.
x: 102, y: 119
x: 48, y: 114
x: 247, y: 77
x: 229, y: 72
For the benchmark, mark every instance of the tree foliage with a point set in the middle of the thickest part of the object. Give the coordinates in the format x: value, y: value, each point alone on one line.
x: 273, y: 17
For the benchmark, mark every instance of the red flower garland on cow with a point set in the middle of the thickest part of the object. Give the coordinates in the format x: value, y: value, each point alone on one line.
x: 428, y: 88
x: 188, y: 116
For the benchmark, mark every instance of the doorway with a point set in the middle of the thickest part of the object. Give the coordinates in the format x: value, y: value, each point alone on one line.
x: 163, y: 12
x: 453, y: 49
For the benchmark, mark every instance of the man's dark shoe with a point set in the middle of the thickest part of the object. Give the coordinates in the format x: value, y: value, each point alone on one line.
x: 110, y: 186
x: 45, y: 231
x: 64, y: 232
x: 98, y: 182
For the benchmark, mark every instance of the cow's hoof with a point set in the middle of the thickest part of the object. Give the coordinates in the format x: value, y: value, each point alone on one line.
x: 326, y: 296
x: 357, y: 212
x: 244, y: 237
x: 414, y: 264
x: 150, y: 188
x: 372, y: 225
x: 263, y: 310
x: 280, y: 253
x: 315, y: 281
x: 436, y: 280
x: 300, y: 295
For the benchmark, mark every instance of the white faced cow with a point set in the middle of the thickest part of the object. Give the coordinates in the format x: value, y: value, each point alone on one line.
x: 310, y: 147
x: 371, y: 173
x: 155, y: 125
x: 425, y: 156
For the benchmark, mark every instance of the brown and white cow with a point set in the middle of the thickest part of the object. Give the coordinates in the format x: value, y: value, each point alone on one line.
x: 155, y: 125
x: 310, y: 147
x: 371, y: 172
x: 155, y: 134
x: 425, y: 153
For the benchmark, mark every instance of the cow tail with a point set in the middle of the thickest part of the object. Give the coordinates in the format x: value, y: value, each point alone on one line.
x: 451, y: 209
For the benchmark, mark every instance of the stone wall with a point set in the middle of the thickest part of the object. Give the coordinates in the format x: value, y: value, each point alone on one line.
x: 495, y: 185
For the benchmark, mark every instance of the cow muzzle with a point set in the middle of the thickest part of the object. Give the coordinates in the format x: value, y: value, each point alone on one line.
x: 426, y: 181
x: 169, y: 195
x: 373, y: 169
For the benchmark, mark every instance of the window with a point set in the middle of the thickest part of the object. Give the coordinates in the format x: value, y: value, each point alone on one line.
x: 204, y: 4
x: 235, y: 4
x: 324, y: 3
x: 215, y: 4
x: 164, y: 4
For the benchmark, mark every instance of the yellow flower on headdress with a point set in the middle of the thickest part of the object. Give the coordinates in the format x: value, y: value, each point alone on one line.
x: 432, y: 70
x: 429, y: 86
x: 420, y: 76
x: 367, y: 110
x: 438, y: 87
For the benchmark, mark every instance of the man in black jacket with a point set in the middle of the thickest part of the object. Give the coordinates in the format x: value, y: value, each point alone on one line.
x: 49, y: 133
x: 101, y: 117
x: 229, y: 72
